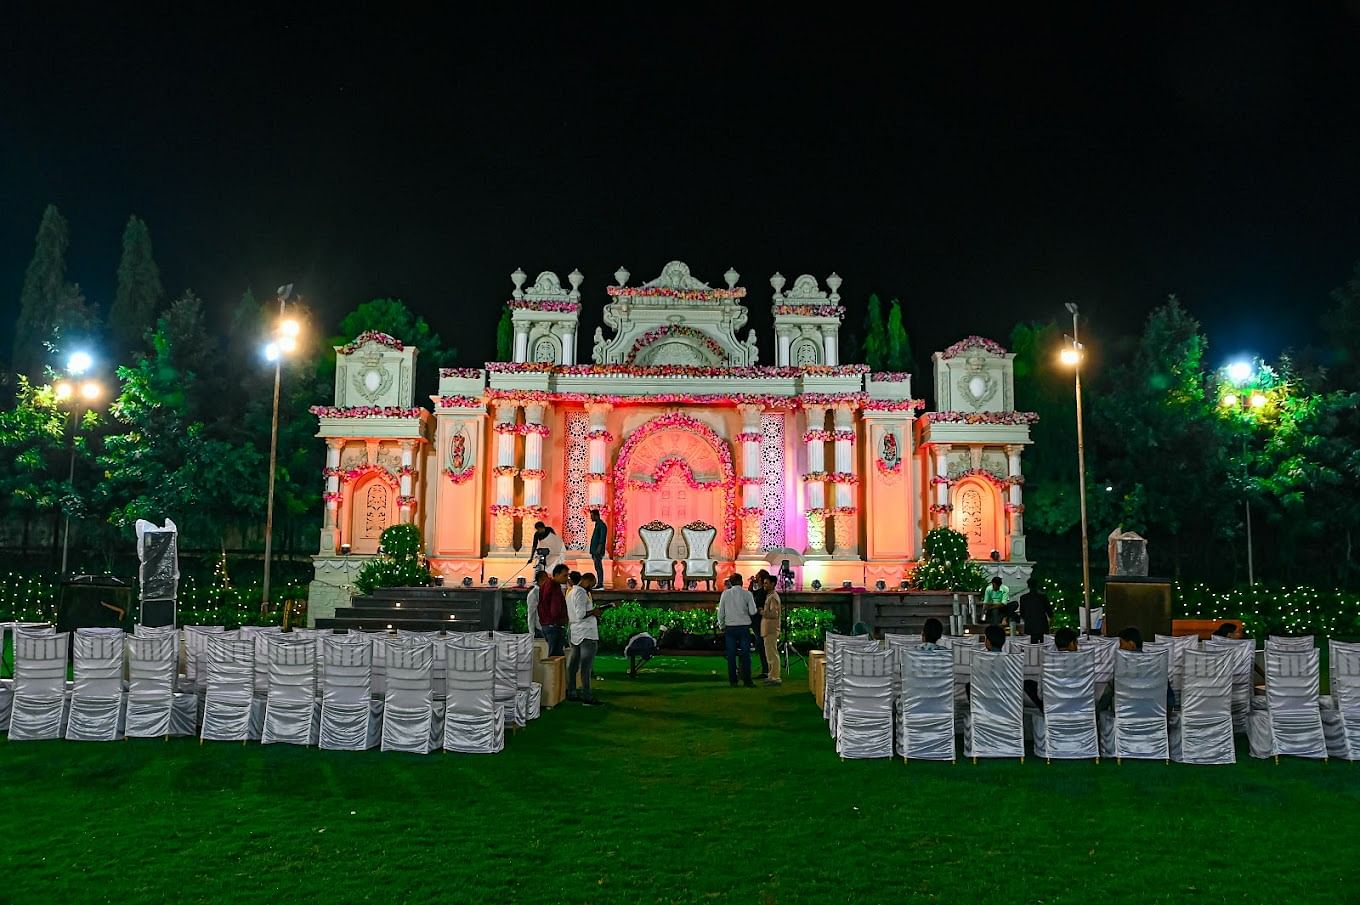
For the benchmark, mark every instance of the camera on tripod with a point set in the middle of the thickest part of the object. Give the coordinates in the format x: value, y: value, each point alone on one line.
x: 785, y: 575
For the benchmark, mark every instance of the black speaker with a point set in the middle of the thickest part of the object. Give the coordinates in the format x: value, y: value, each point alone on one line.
x: 1143, y: 603
x: 94, y: 601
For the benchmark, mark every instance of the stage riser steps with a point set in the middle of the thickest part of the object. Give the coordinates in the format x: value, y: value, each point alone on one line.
x: 415, y: 625
x: 421, y: 611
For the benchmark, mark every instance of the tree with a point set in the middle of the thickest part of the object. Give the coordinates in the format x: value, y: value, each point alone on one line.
x: 505, y: 337
x: 945, y: 565
x: 1050, y: 463
x: 139, y: 293
x: 50, y: 309
x: 1342, y: 323
x: 898, y: 355
x: 399, y: 563
x: 391, y: 316
x: 33, y: 445
x: 875, y: 335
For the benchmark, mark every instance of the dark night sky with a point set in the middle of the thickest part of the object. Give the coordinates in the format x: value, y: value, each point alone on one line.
x: 985, y: 169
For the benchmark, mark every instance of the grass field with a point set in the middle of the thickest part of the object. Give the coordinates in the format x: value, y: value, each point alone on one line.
x: 681, y: 790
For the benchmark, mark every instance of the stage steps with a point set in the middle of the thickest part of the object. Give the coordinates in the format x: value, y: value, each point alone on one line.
x: 423, y: 609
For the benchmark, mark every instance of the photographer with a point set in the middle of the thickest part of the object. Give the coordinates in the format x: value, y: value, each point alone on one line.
x: 757, y: 590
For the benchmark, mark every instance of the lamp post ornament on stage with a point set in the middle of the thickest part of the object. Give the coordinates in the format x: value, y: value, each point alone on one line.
x: 285, y: 342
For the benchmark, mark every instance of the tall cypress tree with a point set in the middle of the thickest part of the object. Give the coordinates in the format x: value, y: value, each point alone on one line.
x: 505, y: 337
x: 139, y: 294
x: 43, y: 294
x: 875, y: 335
x: 898, y: 357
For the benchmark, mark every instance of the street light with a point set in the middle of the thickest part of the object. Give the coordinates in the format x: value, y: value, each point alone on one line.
x: 1071, y: 356
x: 85, y: 393
x: 79, y: 363
x: 286, y: 332
x: 1248, y: 398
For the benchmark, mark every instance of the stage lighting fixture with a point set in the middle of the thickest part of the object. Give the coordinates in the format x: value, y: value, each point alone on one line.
x: 344, y: 549
x: 467, y: 581
x: 880, y: 585
x: 816, y: 584
x: 494, y: 582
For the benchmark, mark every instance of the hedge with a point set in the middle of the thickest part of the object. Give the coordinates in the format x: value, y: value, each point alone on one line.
x: 619, y: 623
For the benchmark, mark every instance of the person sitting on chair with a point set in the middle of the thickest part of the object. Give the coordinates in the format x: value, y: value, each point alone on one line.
x: 1065, y: 640
x: 996, y: 602
x: 931, y: 633
x: 639, y: 649
x: 1228, y: 630
x: 1131, y: 639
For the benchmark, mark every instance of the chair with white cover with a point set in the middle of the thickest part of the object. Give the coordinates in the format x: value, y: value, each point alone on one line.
x: 439, y: 669
x: 1177, y: 645
x: 1291, y: 721
x: 1341, y: 719
x: 151, y: 661
x: 1202, y: 733
x: 508, y: 649
x: 408, y: 704
x: 699, y: 563
x: 1136, y: 726
x: 290, y: 706
x: 1066, y: 729
x: 1290, y: 643
x: 7, y: 685
x: 994, y: 725
x: 658, y: 565
x: 346, y: 693
x: 864, y: 715
x: 926, y: 705
x: 97, y: 693
x: 260, y: 636
x: 836, y: 648
x: 963, y: 648
x: 523, y: 648
x: 39, y: 684
x: 1243, y: 654
x: 378, y: 640
x: 1104, y: 650
x: 227, y: 666
x: 195, y: 646
x: 473, y: 722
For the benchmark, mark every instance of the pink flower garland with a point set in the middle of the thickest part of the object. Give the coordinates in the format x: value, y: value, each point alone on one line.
x: 406, y: 501
x: 750, y: 511
x: 748, y: 437
x: 331, y: 496
x: 537, y: 512
x: 600, y: 434
x: 836, y: 311
x: 941, y: 509
x: 597, y: 476
x: 371, y: 336
x: 365, y: 411
x: 664, y: 422
x: 753, y: 372
x: 658, y: 333
x: 817, y: 436
x: 1010, y: 418
x: 460, y: 402
x: 828, y: 511
x: 890, y: 376
x: 505, y: 471
x: 1017, y: 508
x: 470, y: 373
x: 1001, y: 483
x: 533, y: 474
x: 506, y: 427
x: 885, y: 468
x: 350, y: 475
x: 688, y: 295
x: 459, y: 477
x: 545, y: 305
x: 973, y: 342
x: 894, y: 405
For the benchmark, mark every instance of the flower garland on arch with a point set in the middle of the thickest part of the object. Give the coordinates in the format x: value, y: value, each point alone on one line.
x: 349, y: 475
x: 744, y: 372
x: 1010, y: 418
x: 973, y: 342
x: 687, y: 295
x: 371, y: 336
x: 459, y: 477
x: 1001, y: 483
x: 656, y: 334
x: 460, y: 402
x: 557, y: 307
x: 365, y: 411
x: 693, y: 425
x: 836, y: 311
x: 894, y: 405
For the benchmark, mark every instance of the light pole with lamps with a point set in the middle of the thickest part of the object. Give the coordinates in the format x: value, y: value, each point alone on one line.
x: 286, y: 332
x: 77, y: 392
x: 1250, y: 400
x: 1072, y: 355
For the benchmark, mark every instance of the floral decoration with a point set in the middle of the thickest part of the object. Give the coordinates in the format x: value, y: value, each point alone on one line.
x: 937, y: 480
x: 836, y: 311
x: 817, y: 435
x: 510, y: 427
x: 835, y: 477
x: 688, y: 295
x: 843, y: 435
x: 887, y: 469
x: 460, y: 402
x: 600, y: 434
x: 533, y: 474
x: 559, y: 307
x: 406, y: 501
x: 973, y: 342
x: 750, y: 512
x: 472, y: 373
x: 1014, y: 418
x: 459, y: 477
x: 1017, y: 508
x: 657, y: 334
x: 746, y: 480
x: 1000, y: 481
x: 833, y: 399
x: 406, y: 471
x: 745, y: 372
x: 890, y: 376
x: 365, y: 411
x: 941, y: 509
x: 894, y: 405
x: 664, y: 422
x: 536, y: 512
x: 349, y: 475
x: 331, y: 496
x: 371, y: 336
x: 597, y: 476
x: 505, y: 471
x: 828, y: 511
x: 748, y: 437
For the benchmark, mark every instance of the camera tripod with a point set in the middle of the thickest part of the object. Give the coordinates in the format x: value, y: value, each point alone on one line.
x: 790, y: 652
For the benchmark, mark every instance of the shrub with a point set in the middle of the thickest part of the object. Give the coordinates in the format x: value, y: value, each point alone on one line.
x: 399, y: 563
x: 945, y: 565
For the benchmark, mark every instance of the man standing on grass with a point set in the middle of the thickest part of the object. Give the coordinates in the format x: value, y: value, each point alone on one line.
x: 771, y: 620
x: 736, y: 606
x: 757, y: 621
x: 585, y: 639
x: 552, y: 610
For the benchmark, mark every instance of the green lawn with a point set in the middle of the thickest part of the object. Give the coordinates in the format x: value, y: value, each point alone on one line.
x: 681, y: 790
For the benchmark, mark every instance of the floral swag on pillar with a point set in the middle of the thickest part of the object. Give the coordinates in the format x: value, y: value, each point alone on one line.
x: 672, y: 421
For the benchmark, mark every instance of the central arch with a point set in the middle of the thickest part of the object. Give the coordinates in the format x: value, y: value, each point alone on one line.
x: 675, y: 469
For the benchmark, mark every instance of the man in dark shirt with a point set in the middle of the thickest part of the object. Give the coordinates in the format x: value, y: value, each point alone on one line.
x: 758, y: 592
x: 1035, y: 612
x: 598, y: 536
x: 552, y: 611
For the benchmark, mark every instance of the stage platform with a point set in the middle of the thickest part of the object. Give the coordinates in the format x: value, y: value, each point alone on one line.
x: 478, y: 609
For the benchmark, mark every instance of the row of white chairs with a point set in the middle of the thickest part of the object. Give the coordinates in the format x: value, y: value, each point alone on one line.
x: 413, y: 692
x: 893, y: 696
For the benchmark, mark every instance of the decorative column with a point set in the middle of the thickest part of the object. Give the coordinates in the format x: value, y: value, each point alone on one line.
x: 503, y: 526
x: 330, y: 536
x: 522, y: 341
x: 599, y: 439
x: 750, y: 480
x: 569, y: 344
x: 940, y: 509
x: 814, y: 486
x: 784, y: 339
x: 844, y: 437
x: 532, y: 473
x: 1015, y: 507
x: 406, y: 500
x: 830, y: 345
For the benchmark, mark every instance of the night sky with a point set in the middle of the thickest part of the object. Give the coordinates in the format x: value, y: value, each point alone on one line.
x: 985, y: 169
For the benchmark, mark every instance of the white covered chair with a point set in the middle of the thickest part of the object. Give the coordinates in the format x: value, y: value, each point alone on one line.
x: 963, y: 648
x: 994, y: 725
x: 1341, y: 720
x: 1136, y: 726
x: 39, y: 685
x: 523, y: 646
x: 1290, y: 643
x: 346, y: 693
x: 1291, y: 721
x: 1177, y: 645
x: 408, y: 704
x: 508, y: 650
x: 658, y: 565
x: 97, y: 695
x: 1243, y: 654
x: 473, y: 722
x: 1202, y: 733
x: 227, y: 666
x: 151, y: 686
x: 926, y: 705
x: 195, y: 646
x: 836, y: 648
x: 1104, y: 650
x: 290, y: 706
x: 1066, y: 729
x: 260, y: 636
x: 864, y: 715
x: 699, y: 563
x: 439, y: 670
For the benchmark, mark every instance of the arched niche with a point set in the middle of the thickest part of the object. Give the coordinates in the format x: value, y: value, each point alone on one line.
x: 979, y: 516
x: 373, y: 507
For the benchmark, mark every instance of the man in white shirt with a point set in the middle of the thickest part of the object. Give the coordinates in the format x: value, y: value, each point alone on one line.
x: 585, y: 639
x: 531, y: 605
x: 736, y: 606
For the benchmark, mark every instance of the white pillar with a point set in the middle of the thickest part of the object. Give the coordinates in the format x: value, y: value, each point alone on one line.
x: 505, y: 451
x: 521, y: 342
x: 333, y: 449
x: 533, y: 453
x: 598, y: 444
x: 404, y: 481
x: 941, y: 453
x: 815, y: 490
x: 830, y: 353
x: 569, y: 346
x: 1017, y: 501
x: 783, y: 339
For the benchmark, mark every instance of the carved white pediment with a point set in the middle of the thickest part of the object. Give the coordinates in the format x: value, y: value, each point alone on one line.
x: 975, y: 375
x: 676, y: 275
x: 374, y: 370
x: 675, y: 319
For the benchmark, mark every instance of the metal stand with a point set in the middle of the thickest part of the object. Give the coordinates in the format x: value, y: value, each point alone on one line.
x: 790, y: 652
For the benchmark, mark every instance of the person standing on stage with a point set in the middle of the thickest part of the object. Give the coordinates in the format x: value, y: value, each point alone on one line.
x: 598, y: 535
x: 757, y: 621
x: 546, y: 538
x: 585, y: 639
x: 1035, y: 612
x: 770, y: 621
x: 552, y: 610
x: 736, y: 606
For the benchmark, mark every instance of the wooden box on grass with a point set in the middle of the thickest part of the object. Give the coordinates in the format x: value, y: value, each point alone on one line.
x: 816, y: 669
x: 551, y: 673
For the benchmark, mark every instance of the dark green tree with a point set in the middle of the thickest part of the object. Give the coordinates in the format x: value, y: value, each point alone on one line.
x: 505, y: 337
x: 1050, y: 464
x: 138, y: 297
x: 50, y: 309
x: 1342, y: 322
x: 945, y: 565
x: 898, y: 357
x: 391, y: 316
x: 33, y: 449
x: 875, y: 335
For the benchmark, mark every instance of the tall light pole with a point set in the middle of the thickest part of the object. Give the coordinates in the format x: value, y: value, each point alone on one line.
x: 285, y: 343
x: 86, y: 392
x: 1250, y: 401
x: 1072, y: 356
